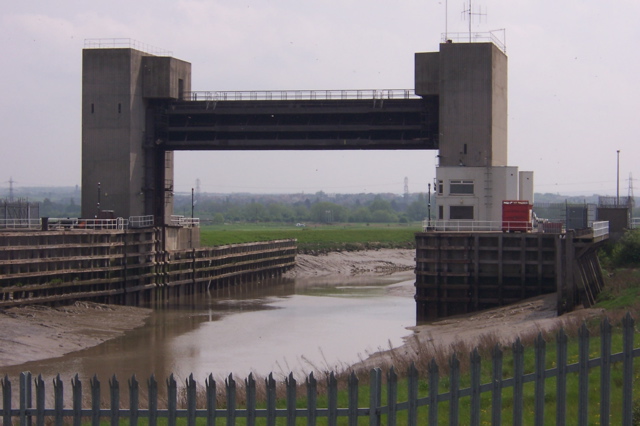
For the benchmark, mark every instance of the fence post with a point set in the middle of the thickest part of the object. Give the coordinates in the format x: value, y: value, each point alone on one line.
x: 114, y: 388
x: 191, y: 400
x: 312, y: 398
x: 561, y: 378
x: 496, y: 392
x: 583, y: 374
x: 412, y: 383
x: 291, y: 385
x: 454, y: 387
x: 152, y: 386
x: 58, y: 391
x: 475, y: 387
x: 40, y: 400
x: 134, y: 401
x: 605, y: 371
x: 25, y: 397
x: 211, y: 400
x: 250, y: 389
x: 332, y: 393
x: 230, y: 386
x: 352, y: 383
x: 172, y: 400
x: 6, y: 400
x: 540, y: 348
x: 518, y: 373
x: 94, y: 383
x: 392, y: 396
x: 628, y: 328
x: 375, y: 396
x: 76, y: 389
x: 271, y: 399
x: 434, y: 378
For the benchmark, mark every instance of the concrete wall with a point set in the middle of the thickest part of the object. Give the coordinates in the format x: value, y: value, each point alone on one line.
x: 118, y: 86
x: 525, y: 186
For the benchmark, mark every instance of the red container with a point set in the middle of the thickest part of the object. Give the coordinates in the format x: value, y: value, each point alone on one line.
x: 516, y: 216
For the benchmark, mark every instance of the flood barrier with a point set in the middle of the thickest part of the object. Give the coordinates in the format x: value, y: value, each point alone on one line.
x: 125, y: 266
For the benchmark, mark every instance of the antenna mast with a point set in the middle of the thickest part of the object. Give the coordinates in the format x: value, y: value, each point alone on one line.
x: 469, y: 11
x: 630, y: 199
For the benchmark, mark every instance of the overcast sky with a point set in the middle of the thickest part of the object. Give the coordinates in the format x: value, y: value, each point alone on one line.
x: 574, y: 90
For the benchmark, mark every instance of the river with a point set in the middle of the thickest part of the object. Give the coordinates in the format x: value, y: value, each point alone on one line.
x: 278, y: 326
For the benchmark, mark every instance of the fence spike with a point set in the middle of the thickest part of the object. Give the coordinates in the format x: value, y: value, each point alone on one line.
x: 172, y: 399
x: 375, y: 396
x: 561, y: 379
x: 152, y: 389
x: 540, y: 349
x: 475, y: 360
x: 518, y: 381
x: 114, y: 387
x: 134, y: 388
x: 212, y: 394
x: 230, y: 385
x: 496, y: 392
x: 352, y: 409
x: 312, y: 399
x: 628, y: 329
x: 332, y: 390
x: 58, y: 394
x: 40, y: 400
x: 250, y: 389
x: 434, y: 378
x: 271, y: 399
x: 583, y: 374
x: 191, y: 400
x: 6, y: 400
x: 94, y: 383
x: 76, y: 387
x: 605, y: 371
x: 412, y: 384
x: 291, y: 384
x: 454, y: 387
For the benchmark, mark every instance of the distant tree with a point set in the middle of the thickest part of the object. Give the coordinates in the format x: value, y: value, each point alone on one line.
x: 325, y: 212
x: 360, y: 215
x: 384, y: 216
x: 379, y: 204
x: 218, y: 219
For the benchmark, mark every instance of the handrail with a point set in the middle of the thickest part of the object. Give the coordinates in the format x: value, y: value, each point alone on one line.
x: 124, y: 43
x: 600, y: 228
x: 476, y: 37
x: 284, y: 95
x: 20, y: 223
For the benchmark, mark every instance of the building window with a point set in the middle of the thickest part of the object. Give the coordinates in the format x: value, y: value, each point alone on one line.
x: 461, y: 187
x: 461, y: 212
x: 440, y: 187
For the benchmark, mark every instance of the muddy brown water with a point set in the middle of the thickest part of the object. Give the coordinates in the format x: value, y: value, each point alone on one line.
x: 284, y: 325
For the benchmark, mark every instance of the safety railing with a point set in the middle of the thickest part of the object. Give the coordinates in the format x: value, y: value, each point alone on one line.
x: 477, y: 37
x: 185, y: 222
x: 285, y: 95
x: 600, y: 229
x: 20, y: 223
x: 140, y: 221
x: 124, y: 43
x: 475, y: 225
x: 635, y: 223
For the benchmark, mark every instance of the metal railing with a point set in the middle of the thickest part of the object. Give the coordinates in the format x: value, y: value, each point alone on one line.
x: 285, y: 95
x: 600, y: 228
x: 475, y: 225
x: 185, y: 222
x: 499, y: 400
x: 20, y: 223
x: 124, y: 43
x: 477, y: 37
x: 140, y: 221
x: 635, y: 223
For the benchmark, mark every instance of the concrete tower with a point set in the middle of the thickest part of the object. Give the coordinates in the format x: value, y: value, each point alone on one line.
x: 470, y: 80
x: 122, y: 90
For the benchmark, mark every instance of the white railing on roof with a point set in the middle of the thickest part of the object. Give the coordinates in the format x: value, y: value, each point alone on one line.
x: 293, y: 95
x: 635, y: 223
x: 185, y: 222
x: 124, y: 43
x: 477, y: 37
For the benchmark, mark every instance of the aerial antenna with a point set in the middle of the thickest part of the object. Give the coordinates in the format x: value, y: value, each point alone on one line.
x: 469, y: 13
x: 11, y: 182
x: 630, y: 199
x: 406, y: 189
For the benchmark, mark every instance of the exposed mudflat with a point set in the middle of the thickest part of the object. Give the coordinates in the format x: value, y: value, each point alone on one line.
x: 36, y: 332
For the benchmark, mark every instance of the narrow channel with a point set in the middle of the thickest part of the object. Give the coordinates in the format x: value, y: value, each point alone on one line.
x: 279, y: 326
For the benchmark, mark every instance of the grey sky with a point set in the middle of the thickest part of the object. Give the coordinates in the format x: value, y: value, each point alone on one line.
x: 574, y: 94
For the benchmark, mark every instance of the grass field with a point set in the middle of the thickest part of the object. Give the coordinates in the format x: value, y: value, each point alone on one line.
x: 314, y: 238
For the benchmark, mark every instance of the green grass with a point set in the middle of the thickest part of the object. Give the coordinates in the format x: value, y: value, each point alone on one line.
x: 315, y: 238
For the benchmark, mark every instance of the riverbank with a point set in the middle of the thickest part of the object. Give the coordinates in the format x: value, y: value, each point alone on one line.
x: 36, y: 332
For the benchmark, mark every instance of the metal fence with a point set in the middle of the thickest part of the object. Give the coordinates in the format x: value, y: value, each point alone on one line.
x: 294, y: 95
x: 421, y: 405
